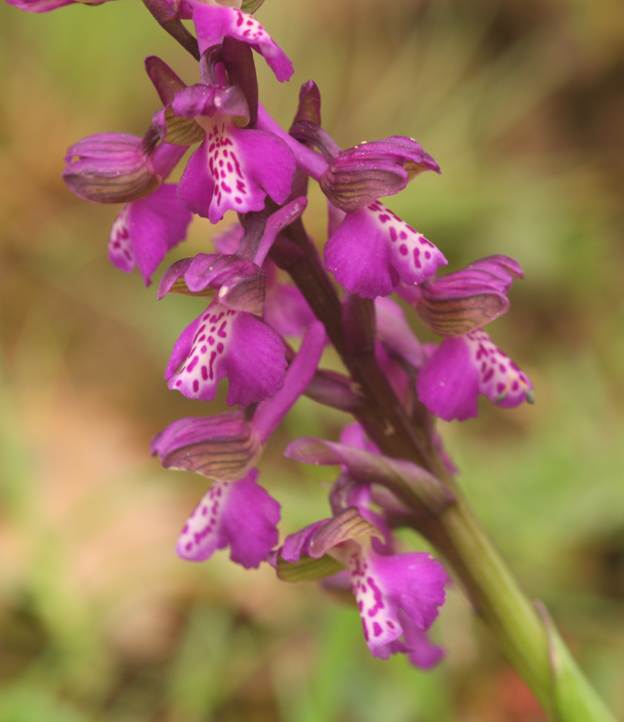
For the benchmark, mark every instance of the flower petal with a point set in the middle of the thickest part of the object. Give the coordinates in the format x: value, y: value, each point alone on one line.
x: 268, y: 161
x: 241, y: 515
x: 397, y: 595
x: 235, y: 170
x: 373, y: 250
x: 463, y: 367
x: 500, y: 379
x: 146, y: 229
x: 358, y: 258
x: 448, y: 384
x: 256, y: 370
x: 230, y: 344
x: 196, y: 185
x: 413, y: 256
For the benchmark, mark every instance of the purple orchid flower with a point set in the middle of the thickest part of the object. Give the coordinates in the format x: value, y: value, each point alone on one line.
x: 147, y: 229
x: 397, y: 595
x: 373, y: 250
x: 370, y: 250
x: 467, y: 363
x: 115, y: 167
x: 234, y: 168
x: 240, y: 515
x: 462, y: 368
x: 236, y: 511
x: 227, y: 339
x: 214, y: 23
x: 44, y: 6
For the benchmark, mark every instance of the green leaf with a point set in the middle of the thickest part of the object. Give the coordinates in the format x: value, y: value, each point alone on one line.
x: 307, y: 569
x: 574, y: 700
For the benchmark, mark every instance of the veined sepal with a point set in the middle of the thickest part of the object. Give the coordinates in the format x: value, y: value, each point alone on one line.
x: 318, y: 550
x: 111, y: 167
x: 468, y: 299
x: 237, y: 283
x: 221, y: 447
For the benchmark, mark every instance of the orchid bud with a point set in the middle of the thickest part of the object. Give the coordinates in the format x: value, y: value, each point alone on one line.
x: 110, y: 168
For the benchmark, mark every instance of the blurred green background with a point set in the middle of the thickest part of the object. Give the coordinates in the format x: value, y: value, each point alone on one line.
x: 522, y: 103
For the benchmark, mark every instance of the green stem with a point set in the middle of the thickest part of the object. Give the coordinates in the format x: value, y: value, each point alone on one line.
x: 528, y: 639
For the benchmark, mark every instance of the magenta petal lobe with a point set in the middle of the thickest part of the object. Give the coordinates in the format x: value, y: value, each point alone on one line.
x: 240, y: 515
x: 463, y: 367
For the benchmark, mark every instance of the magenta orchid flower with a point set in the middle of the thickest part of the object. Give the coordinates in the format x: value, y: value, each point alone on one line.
x: 467, y: 364
x: 116, y: 167
x: 228, y: 340
x: 240, y: 515
x: 236, y: 512
x: 146, y: 229
x: 373, y: 250
x: 397, y: 595
x: 214, y: 23
x: 233, y: 168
